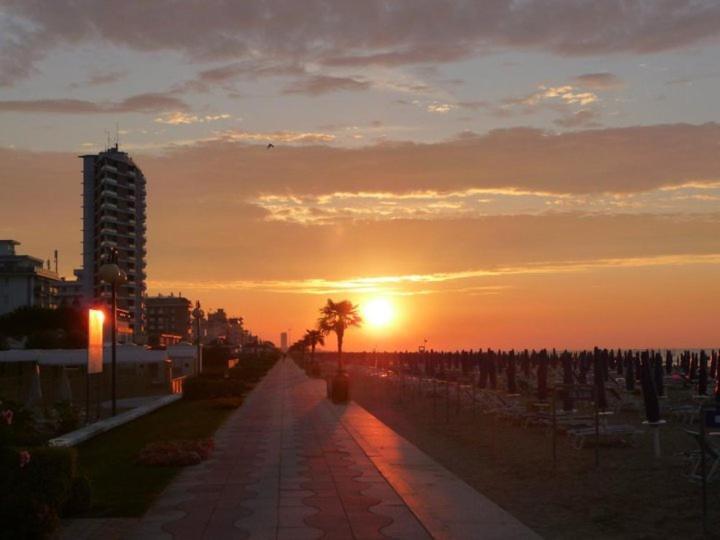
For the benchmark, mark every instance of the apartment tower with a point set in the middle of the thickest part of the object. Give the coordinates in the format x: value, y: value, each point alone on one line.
x: 114, y: 217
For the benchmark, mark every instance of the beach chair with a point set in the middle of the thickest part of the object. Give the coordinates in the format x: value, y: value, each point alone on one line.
x: 609, y: 434
x: 693, y: 464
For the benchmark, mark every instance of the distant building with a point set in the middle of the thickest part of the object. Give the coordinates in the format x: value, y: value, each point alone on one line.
x: 70, y: 292
x: 24, y: 280
x: 235, y: 334
x: 168, y: 319
x: 283, y: 341
x: 114, y: 217
x: 217, y: 325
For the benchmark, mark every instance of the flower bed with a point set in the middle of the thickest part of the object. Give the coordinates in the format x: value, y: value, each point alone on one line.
x: 175, y: 453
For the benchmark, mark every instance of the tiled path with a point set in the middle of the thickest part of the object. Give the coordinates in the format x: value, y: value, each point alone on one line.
x: 290, y: 465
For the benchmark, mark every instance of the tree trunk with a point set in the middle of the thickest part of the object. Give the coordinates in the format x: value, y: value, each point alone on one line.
x: 340, y: 342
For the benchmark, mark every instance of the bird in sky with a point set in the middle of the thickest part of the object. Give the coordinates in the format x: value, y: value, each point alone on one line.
x: 270, y: 145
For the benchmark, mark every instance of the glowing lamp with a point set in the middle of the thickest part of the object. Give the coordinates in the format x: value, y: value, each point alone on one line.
x: 96, y: 318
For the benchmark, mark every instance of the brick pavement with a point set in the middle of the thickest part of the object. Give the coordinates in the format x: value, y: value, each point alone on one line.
x: 289, y: 464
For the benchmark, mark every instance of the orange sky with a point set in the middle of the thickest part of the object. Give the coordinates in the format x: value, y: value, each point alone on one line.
x: 507, y: 174
x: 616, y: 277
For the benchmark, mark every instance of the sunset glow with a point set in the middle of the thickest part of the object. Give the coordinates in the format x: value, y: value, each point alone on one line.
x: 378, y: 312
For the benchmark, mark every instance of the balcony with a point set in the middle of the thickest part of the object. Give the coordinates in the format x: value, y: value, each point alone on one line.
x: 109, y: 180
x: 108, y: 167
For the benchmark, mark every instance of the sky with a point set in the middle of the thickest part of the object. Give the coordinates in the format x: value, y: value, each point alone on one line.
x: 505, y: 173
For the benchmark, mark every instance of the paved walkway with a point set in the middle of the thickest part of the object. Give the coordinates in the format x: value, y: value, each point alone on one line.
x: 290, y: 465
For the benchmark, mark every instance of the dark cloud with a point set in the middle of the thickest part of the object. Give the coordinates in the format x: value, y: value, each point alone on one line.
x: 100, y: 78
x: 315, y: 85
x: 144, y: 103
x: 352, y: 33
x: 225, y: 75
x: 582, y: 118
x: 598, y: 81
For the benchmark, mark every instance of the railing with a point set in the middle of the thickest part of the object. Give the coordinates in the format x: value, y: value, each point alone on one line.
x: 176, y: 384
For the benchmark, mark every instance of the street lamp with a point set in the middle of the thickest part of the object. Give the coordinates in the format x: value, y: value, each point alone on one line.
x: 111, y: 273
x: 198, y: 315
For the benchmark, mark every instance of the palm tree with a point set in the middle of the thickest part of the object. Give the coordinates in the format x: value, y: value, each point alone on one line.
x: 313, y: 339
x: 337, y: 317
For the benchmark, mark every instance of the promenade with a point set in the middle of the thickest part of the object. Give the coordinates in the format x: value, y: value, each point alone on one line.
x: 289, y: 464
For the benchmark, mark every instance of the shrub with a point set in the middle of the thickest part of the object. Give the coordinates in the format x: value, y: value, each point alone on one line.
x: 80, y: 497
x: 251, y: 367
x: 175, y: 453
x: 68, y: 417
x: 207, y: 387
x: 31, y: 494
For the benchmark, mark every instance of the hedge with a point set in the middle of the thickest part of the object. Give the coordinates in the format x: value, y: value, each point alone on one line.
x: 208, y: 387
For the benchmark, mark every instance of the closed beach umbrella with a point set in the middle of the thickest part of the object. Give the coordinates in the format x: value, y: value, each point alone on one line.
x: 542, y: 373
x: 703, y: 374
x: 510, y: 372
x: 652, y: 405
x: 34, y: 397
x: 492, y: 371
x: 63, y: 391
x: 668, y: 362
x: 567, y: 381
x: 693, y: 367
x: 630, y: 373
x: 659, y: 377
x: 482, y: 383
x: 599, y: 380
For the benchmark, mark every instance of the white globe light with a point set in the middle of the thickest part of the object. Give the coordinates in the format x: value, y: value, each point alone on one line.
x: 109, y: 272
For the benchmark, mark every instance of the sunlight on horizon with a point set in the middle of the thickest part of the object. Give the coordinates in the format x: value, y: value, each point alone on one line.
x: 378, y: 312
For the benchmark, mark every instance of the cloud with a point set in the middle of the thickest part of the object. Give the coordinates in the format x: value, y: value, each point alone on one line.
x: 278, y: 137
x: 142, y: 103
x: 351, y: 33
x: 598, y: 81
x: 178, y: 118
x: 340, y: 207
x: 440, y: 107
x: 618, y: 160
x: 566, y: 94
x: 315, y: 85
x: 408, y: 283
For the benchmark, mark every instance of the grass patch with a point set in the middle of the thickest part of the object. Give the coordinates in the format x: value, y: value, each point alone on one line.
x: 120, y: 487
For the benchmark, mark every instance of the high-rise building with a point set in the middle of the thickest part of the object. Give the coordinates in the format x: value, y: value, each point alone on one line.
x: 114, y: 217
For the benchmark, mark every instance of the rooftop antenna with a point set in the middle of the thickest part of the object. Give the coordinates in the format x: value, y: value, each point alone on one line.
x: 117, y: 135
x: 107, y: 144
x: 56, y: 261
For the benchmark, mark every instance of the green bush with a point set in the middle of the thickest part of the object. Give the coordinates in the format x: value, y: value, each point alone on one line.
x: 207, y: 387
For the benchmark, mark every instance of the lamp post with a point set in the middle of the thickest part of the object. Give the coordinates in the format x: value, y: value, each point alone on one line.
x: 198, y: 315
x: 111, y: 273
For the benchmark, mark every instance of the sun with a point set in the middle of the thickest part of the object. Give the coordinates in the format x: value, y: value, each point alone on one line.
x: 378, y: 312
